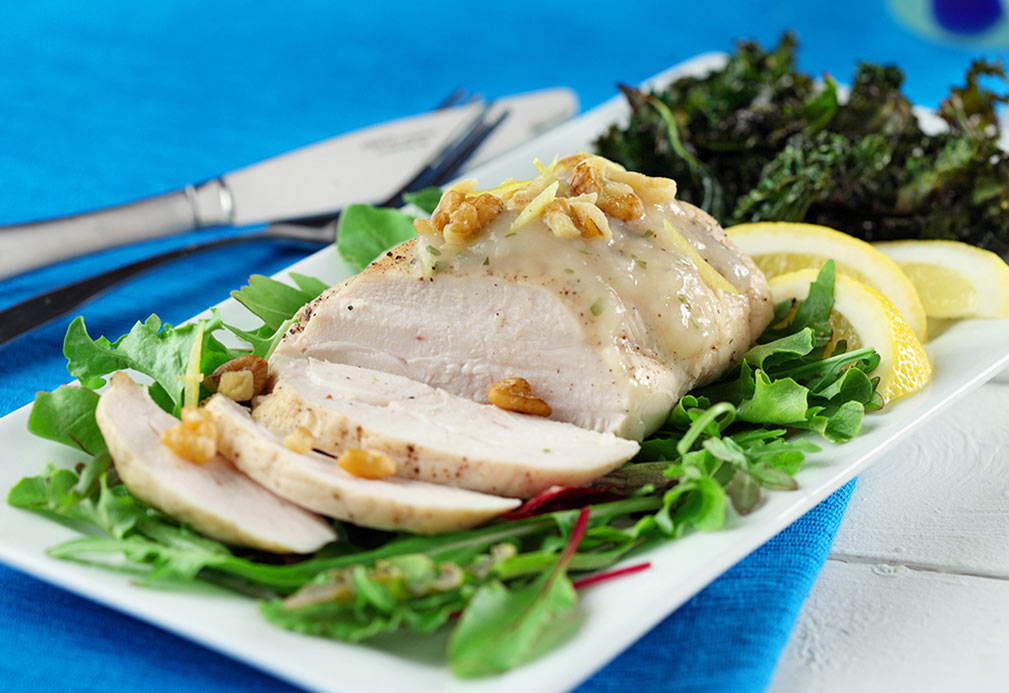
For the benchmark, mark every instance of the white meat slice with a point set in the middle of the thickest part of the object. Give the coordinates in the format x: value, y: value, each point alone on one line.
x: 215, y: 498
x: 434, y: 435
x: 610, y: 332
x: 315, y: 482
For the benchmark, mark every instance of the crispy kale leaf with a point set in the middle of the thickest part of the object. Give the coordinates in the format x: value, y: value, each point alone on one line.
x: 782, y: 148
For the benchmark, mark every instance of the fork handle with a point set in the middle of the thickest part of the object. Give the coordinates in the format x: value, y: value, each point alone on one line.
x: 26, y: 246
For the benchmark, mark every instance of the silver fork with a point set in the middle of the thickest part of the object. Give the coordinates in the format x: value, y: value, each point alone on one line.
x: 316, y: 231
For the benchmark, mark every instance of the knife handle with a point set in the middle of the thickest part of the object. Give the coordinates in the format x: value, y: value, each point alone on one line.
x: 27, y: 246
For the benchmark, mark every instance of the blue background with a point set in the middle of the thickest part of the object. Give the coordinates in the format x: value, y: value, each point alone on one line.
x: 105, y: 102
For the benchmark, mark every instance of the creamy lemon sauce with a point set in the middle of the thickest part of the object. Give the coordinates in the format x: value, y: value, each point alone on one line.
x: 634, y: 288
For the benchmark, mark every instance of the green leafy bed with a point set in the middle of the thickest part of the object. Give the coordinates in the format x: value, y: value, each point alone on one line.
x: 761, y: 141
x: 505, y: 588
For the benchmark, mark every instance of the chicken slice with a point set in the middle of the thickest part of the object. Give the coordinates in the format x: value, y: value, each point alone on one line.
x: 612, y: 303
x: 316, y: 482
x: 215, y: 498
x: 434, y: 435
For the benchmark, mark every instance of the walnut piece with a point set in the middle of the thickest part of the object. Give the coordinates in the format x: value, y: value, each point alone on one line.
x: 229, y: 381
x: 459, y: 218
x: 299, y: 440
x: 621, y: 193
x: 237, y: 385
x: 194, y: 438
x: 651, y: 189
x: 574, y: 217
x: 515, y: 394
x: 368, y: 464
x: 615, y: 198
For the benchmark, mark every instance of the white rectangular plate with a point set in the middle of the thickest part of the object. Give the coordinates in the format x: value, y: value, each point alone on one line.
x: 617, y: 613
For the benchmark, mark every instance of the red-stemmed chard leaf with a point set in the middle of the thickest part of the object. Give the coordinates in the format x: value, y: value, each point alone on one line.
x: 610, y: 575
x: 561, y: 498
x: 503, y: 628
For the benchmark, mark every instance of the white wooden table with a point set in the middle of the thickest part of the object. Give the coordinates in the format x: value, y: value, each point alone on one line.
x: 915, y: 593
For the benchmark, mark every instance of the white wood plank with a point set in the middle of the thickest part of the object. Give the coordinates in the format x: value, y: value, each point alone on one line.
x: 870, y: 628
x: 940, y: 499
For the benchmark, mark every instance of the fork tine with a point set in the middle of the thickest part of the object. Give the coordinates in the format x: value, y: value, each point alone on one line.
x: 455, y: 97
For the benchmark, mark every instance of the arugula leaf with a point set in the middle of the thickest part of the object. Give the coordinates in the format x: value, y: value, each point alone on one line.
x: 67, y: 416
x: 310, y: 286
x: 812, y: 312
x: 789, y: 346
x: 63, y: 495
x: 275, y: 302
x: 837, y: 424
x: 778, y: 402
x: 264, y: 339
x: 365, y: 232
x: 162, y: 352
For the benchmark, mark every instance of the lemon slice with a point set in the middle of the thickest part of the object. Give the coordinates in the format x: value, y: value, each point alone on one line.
x: 953, y: 279
x: 864, y: 317
x: 781, y: 247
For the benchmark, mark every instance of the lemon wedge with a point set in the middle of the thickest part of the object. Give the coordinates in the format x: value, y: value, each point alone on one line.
x: 953, y: 279
x: 782, y: 247
x: 864, y: 317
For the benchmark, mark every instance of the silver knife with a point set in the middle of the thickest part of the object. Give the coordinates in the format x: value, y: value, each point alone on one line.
x: 365, y: 165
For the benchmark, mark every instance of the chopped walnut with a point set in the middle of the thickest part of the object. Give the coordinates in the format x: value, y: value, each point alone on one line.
x: 237, y: 385
x: 515, y: 394
x: 615, y: 198
x: 299, y: 440
x: 368, y: 464
x: 194, y: 438
x: 577, y: 217
x: 228, y: 378
x: 569, y: 162
x: 651, y: 189
x: 459, y: 218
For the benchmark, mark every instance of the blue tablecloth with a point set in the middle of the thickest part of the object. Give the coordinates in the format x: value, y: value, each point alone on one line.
x: 105, y: 102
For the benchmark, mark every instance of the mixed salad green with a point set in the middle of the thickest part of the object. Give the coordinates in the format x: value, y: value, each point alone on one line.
x: 508, y: 589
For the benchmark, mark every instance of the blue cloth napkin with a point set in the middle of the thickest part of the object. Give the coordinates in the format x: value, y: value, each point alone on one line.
x: 107, y: 102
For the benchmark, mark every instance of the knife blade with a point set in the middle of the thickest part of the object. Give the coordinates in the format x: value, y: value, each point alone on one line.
x: 365, y: 165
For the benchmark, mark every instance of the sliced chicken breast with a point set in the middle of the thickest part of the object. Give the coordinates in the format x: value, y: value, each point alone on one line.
x: 315, y: 482
x: 215, y: 498
x: 611, y: 302
x: 434, y: 435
